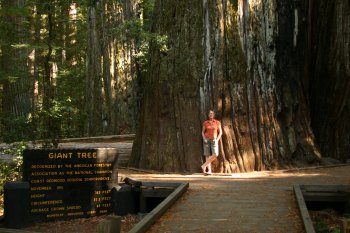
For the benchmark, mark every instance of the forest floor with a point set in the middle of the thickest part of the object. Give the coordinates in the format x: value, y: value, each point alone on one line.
x: 326, y: 220
x: 81, y: 225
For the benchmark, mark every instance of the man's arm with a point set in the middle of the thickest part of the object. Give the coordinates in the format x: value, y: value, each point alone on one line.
x: 220, y: 132
x: 203, y: 131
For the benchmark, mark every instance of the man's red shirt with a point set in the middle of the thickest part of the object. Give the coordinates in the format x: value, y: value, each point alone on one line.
x: 211, y: 128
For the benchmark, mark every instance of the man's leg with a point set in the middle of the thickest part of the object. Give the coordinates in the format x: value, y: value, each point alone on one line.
x: 204, y: 167
x: 208, y: 161
x: 206, y: 148
x: 209, y: 165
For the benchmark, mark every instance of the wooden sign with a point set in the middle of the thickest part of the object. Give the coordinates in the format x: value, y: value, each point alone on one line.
x: 70, y: 183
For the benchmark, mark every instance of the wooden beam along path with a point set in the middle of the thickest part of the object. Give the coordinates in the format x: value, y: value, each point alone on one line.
x: 325, y: 193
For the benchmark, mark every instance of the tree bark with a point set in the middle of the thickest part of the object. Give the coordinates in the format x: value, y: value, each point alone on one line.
x: 112, y: 70
x: 52, y: 124
x: 127, y: 72
x: 169, y: 136
x: 108, y: 112
x: 329, y: 76
x: 93, y: 96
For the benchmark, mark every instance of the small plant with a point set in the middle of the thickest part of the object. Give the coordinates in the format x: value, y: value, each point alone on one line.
x: 11, y: 171
x: 322, y: 227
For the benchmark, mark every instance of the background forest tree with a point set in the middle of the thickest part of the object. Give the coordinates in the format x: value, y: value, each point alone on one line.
x: 276, y: 72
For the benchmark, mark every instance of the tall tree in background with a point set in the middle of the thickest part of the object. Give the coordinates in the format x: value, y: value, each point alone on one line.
x: 129, y: 49
x: 93, y: 96
x: 50, y: 70
x: 111, y: 90
x: 16, y: 104
x: 245, y: 59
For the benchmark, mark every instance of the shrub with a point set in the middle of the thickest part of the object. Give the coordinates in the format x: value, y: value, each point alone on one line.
x: 11, y: 171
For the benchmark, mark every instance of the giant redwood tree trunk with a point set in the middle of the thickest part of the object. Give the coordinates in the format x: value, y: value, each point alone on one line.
x: 329, y: 73
x: 246, y: 60
x: 169, y: 132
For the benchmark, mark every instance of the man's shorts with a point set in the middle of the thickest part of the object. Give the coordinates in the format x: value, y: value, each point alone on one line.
x: 210, y: 147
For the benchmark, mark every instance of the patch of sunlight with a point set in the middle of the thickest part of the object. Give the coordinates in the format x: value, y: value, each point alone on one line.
x: 12, y: 79
x: 18, y: 46
x: 248, y: 175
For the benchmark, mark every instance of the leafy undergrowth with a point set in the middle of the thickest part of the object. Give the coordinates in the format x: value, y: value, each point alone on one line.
x: 326, y: 221
x: 10, y: 171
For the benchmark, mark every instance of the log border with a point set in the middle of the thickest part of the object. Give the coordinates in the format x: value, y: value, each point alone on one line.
x: 157, y: 212
x: 322, y: 193
x: 308, y: 225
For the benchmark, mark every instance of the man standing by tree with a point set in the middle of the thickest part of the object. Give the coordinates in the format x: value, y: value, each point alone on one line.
x: 211, y: 133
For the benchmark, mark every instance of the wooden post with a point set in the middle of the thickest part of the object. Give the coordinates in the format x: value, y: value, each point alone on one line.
x: 111, y: 224
x: 152, y: 216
